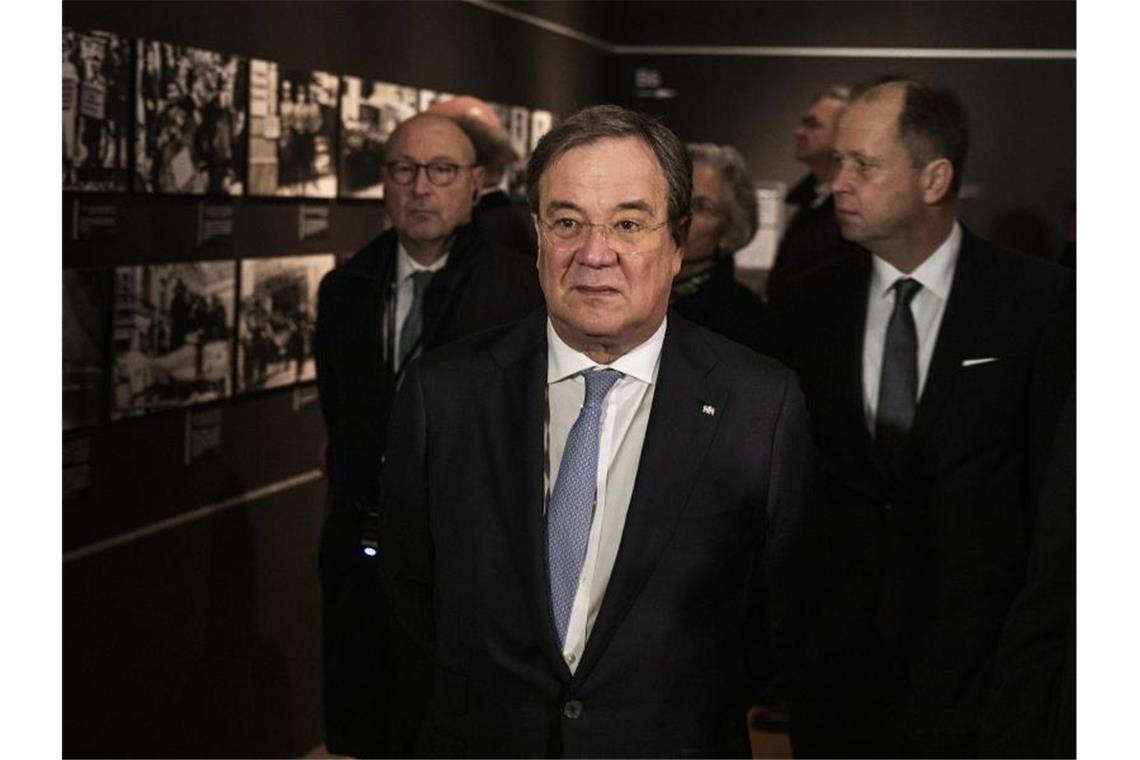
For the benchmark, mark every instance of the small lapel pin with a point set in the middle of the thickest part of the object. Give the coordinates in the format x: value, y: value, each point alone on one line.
x: 708, y: 409
x: 975, y: 362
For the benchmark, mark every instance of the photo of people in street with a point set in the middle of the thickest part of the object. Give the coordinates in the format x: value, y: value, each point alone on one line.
x: 293, y: 123
x: 277, y: 318
x: 172, y: 334
x: 369, y: 112
x: 84, y: 333
x: 95, y: 110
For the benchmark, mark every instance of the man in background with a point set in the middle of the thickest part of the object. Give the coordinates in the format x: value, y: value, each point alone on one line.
x: 935, y: 366
x: 498, y: 217
x: 425, y: 282
x: 812, y: 237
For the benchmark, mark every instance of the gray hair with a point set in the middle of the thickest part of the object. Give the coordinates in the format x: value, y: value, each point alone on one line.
x: 493, y: 149
x: 833, y: 90
x: 596, y: 123
x: 740, y: 209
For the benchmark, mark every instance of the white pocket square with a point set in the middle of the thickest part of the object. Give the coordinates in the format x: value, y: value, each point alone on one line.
x: 975, y: 362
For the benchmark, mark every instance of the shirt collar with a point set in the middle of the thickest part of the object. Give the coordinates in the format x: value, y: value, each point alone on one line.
x: 641, y: 362
x: 935, y: 274
x: 406, y: 266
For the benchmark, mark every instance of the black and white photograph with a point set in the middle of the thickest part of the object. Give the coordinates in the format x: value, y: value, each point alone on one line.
x: 84, y: 344
x: 173, y: 327
x: 191, y: 114
x: 293, y: 119
x: 369, y: 112
x: 519, y: 129
x: 96, y: 80
x: 541, y: 122
x: 430, y: 97
x: 277, y: 319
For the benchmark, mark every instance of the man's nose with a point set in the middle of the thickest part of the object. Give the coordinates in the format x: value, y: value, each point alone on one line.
x: 595, y: 250
x: 421, y: 185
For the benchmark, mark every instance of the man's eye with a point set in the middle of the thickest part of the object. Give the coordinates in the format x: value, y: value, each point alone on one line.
x: 442, y: 168
x: 567, y: 225
x: 627, y: 225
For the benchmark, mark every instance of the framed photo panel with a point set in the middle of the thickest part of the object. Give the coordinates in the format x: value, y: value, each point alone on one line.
x: 278, y: 315
x: 172, y: 330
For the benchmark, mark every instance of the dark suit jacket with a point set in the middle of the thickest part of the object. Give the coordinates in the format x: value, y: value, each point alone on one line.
x: 666, y: 668
x: 506, y: 223
x: 810, y: 240
x: 375, y: 678
x: 917, y: 571
x: 716, y: 300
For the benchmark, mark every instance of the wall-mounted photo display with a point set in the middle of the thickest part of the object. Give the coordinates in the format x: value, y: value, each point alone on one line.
x: 369, y: 113
x: 293, y: 119
x: 84, y: 343
x: 429, y: 97
x: 191, y: 115
x: 277, y: 318
x: 172, y: 329
x: 541, y: 122
x: 520, y: 131
x: 96, y: 80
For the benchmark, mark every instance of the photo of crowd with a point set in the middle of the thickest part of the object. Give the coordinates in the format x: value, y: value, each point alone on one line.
x: 292, y: 132
x: 84, y: 330
x: 191, y: 113
x: 278, y: 316
x: 95, y: 110
x: 369, y: 112
x: 172, y: 329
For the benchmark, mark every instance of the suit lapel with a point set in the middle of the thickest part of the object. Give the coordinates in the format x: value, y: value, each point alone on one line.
x: 510, y: 393
x: 676, y: 440
x: 963, y: 321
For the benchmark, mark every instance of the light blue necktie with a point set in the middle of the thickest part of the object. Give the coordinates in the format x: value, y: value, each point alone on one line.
x: 572, y: 503
x: 413, y: 323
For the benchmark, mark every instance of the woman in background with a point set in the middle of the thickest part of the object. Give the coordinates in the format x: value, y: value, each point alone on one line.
x: 725, y: 219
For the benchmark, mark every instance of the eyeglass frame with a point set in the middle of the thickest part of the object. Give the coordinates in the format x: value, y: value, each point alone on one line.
x: 425, y: 167
x: 603, y: 226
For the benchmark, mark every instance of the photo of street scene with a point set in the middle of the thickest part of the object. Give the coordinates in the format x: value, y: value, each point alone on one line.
x: 172, y: 329
x: 277, y: 318
x: 191, y: 114
x: 96, y: 80
x: 369, y: 113
x: 293, y: 120
x: 84, y: 333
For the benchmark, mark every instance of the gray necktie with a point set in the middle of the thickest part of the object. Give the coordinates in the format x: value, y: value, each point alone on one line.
x: 898, y: 381
x: 572, y: 503
x: 413, y: 324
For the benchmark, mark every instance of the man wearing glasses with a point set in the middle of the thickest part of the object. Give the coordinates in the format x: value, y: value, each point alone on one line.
x: 427, y: 281
x: 583, y: 510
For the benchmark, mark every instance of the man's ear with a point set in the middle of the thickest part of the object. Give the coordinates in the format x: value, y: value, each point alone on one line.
x: 477, y: 177
x: 937, y: 177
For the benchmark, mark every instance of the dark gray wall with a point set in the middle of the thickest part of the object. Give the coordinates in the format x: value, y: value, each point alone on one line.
x: 1022, y: 158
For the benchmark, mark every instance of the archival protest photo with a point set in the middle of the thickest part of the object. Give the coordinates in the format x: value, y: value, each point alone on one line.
x: 173, y: 327
x: 96, y: 80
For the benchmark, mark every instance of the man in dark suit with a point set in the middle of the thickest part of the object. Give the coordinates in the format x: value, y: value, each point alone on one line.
x: 934, y: 367
x: 430, y: 279
x: 583, y: 510
x: 501, y: 219
x: 812, y: 237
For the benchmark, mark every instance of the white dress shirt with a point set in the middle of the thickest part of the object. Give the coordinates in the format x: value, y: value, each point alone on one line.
x: 406, y: 266
x: 936, y: 274
x: 625, y: 415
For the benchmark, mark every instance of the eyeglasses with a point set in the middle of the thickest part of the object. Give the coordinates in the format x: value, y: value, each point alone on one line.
x: 439, y: 173
x: 622, y: 236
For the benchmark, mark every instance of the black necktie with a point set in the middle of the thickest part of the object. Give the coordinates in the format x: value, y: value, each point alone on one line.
x: 413, y: 323
x: 898, y: 381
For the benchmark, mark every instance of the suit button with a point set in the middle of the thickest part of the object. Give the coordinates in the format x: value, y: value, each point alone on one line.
x: 572, y: 709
